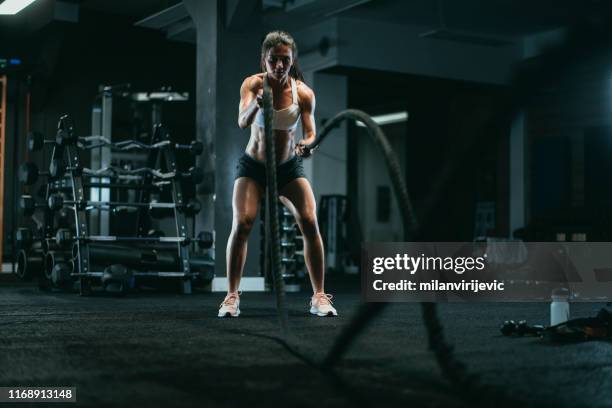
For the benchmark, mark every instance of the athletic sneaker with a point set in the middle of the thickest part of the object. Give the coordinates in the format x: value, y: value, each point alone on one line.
x: 229, y: 306
x: 321, y: 305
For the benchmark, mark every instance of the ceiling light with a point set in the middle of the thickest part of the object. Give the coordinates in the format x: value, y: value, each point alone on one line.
x: 9, y: 7
x: 388, y: 118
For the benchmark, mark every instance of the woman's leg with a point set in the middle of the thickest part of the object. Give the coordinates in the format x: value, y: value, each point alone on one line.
x: 297, y: 196
x: 245, y: 202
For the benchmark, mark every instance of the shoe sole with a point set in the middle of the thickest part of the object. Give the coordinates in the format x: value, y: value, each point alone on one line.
x: 228, y: 314
x: 328, y: 314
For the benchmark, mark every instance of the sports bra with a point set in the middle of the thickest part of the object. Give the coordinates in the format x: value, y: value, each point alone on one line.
x: 283, y: 119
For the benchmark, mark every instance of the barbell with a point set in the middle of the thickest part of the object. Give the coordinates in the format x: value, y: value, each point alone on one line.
x: 36, y: 142
x: 204, y: 239
x: 29, y: 173
x: 195, y: 147
x: 57, y: 202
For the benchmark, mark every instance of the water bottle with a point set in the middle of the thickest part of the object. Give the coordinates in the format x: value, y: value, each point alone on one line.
x: 559, y: 308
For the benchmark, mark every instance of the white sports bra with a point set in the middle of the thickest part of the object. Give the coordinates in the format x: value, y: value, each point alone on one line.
x: 283, y: 119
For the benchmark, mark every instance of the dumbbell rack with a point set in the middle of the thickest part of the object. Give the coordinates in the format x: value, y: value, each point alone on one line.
x: 164, y: 160
x: 65, y: 129
x: 292, y: 259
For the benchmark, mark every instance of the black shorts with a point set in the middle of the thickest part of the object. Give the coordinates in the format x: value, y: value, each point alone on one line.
x: 286, y: 172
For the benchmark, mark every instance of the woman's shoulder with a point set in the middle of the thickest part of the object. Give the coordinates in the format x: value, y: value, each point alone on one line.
x: 304, y: 91
x: 253, y: 82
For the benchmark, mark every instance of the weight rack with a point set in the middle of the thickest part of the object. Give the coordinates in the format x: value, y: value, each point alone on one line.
x: 163, y: 173
x: 293, y: 266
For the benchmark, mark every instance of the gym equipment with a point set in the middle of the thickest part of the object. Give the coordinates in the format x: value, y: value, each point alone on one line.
x: 202, y: 240
x: 59, y: 187
x: 155, y: 233
x: 61, y: 274
x: 194, y: 174
x: 28, y: 206
x: 193, y: 207
x: 92, y: 142
x: 116, y: 279
x: 332, y: 218
x: 510, y: 327
x: 58, y: 169
x: 126, y: 186
x: 50, y: 244
x: 450, y: 365
x: 24, y: 238
x: 65, y: 137
x: 69, y: 253
x: 55, y: 271
x: 205, y: 239
x: 292, y: 267
x: 271, y: 214
x: 28, y: 173
x: 139, y: 257
x: 56, y: 202
x: 36, y: 141
x: 64, y: 236
x: 29, y: 264
x: 52, y: 258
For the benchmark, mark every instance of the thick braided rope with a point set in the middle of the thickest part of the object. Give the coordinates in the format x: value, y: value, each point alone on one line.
x: 451, y: 367
x: 272, y: 221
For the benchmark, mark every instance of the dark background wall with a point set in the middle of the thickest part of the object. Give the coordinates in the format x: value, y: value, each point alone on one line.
x: 442, y: 132
x: 570, y: 137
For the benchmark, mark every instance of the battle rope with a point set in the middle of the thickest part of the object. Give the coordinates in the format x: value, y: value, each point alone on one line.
x: 451, y: 367
x: 272, y: 209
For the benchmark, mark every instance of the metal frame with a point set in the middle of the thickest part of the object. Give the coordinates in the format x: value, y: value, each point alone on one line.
x: 3, y: 84
x: 72, y: 184
x: 165, y: 159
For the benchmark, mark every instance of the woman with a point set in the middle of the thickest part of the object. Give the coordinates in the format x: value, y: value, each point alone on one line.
x: 292, y: 99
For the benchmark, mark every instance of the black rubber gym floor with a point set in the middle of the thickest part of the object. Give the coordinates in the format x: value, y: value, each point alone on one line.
x: 164, y: 349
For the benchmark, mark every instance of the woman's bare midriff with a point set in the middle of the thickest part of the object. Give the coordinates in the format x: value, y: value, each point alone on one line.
x: 284, y: 144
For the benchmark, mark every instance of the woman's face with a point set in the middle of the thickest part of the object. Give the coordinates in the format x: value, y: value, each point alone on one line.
x: 279, y: 60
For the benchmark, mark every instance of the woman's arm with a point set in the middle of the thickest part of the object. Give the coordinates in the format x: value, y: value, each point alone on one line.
x: 309, y: 132
x: 250, y: 101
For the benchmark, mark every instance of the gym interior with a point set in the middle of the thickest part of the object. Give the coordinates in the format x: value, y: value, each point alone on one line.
x: 473, y: 121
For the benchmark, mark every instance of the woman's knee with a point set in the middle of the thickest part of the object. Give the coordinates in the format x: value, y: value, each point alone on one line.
x: 242, y: 225
x: 308, y: 223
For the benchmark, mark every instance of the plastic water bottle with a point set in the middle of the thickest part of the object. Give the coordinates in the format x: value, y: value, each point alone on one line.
x: 559, y: 308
